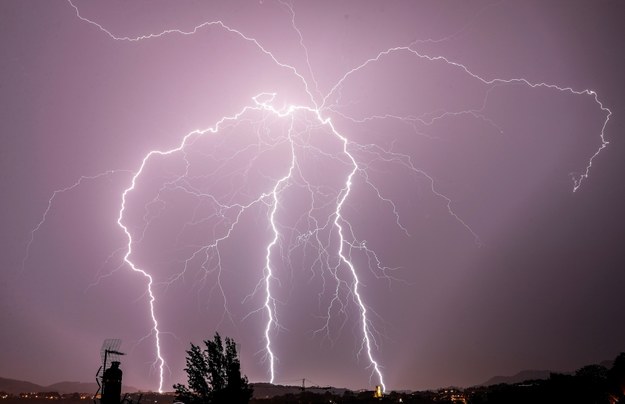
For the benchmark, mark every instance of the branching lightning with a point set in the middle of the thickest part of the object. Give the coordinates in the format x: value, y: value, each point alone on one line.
x: 51, y: 200
x: 336, y: 222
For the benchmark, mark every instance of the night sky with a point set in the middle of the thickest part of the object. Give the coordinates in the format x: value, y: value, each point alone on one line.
x: 426, y: 172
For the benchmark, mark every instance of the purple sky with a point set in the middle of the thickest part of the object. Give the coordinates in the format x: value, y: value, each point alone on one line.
x: 489, y: 263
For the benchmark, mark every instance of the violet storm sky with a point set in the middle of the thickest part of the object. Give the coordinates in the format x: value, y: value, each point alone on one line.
x: 452, y: 170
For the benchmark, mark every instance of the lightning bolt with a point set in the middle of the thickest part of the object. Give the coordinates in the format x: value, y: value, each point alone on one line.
x: 50, y: 203
x: 577, y: 181
x: 352, y: 155
x: 270, y: 304
x: 338, y: 219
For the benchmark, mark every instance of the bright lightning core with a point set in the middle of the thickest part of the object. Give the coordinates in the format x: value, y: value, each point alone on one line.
x: 282, y: 177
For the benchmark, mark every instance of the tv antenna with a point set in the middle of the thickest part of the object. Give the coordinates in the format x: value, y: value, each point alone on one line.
x: 110, y: 354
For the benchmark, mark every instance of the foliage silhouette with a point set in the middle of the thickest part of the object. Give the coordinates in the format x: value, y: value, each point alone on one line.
x: 214, y: 375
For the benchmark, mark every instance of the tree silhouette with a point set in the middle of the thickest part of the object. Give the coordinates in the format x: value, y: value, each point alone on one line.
x: 214, y: 375
x: 616, y: 378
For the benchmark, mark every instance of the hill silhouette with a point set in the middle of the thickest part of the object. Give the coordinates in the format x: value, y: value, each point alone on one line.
x: 531, y: 375
x: 13, y: 386
x: 518, y: 377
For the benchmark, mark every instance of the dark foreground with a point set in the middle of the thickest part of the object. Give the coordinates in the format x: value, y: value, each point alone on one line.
x: 593, y: 384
